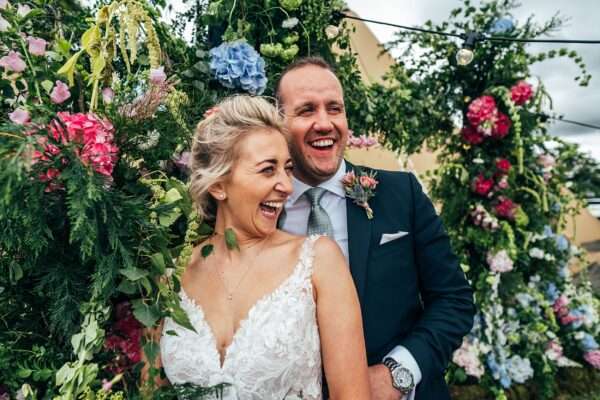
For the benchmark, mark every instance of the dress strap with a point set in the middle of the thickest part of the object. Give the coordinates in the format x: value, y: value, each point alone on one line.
x: 307, y: 256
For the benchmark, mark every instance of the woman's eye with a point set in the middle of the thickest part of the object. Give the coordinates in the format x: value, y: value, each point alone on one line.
x: 268, y: 170
x: 289, y: 169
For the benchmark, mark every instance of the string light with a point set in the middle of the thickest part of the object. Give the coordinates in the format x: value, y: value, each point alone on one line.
x: 465, y: 55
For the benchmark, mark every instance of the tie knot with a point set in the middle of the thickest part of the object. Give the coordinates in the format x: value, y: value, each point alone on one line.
x: 314, y: 195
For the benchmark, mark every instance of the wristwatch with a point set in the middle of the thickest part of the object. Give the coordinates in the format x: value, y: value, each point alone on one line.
x: 402, y: 378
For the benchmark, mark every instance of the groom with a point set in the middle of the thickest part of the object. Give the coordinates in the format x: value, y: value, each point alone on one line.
x: 416, y: 302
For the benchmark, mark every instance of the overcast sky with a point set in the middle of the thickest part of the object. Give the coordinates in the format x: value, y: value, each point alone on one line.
x: 572, y: 101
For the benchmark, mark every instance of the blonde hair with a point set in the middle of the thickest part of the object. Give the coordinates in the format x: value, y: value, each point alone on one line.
x: 215, y: 140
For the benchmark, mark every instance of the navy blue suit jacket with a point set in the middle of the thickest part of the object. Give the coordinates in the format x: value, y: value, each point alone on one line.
x: 412, y: 290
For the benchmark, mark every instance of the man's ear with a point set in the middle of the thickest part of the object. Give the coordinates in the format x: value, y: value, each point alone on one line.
x: 217, y: 191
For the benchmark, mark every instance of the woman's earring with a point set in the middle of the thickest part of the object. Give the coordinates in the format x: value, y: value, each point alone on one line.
x: 222, y: 196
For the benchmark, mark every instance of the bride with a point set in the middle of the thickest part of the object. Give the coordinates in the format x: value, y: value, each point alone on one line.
x: 271, y: 315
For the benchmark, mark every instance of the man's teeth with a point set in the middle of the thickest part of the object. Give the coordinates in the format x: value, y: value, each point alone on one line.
x: 323, y: 143
x: 273, y: 204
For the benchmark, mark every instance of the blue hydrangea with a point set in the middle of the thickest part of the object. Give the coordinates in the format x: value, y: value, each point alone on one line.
x: 502, y: 25
x: 562, y: 244
x: 499, y: 371
x: 588, y: 343
x: 552, y: 292
x: 236, y: 65
x: 548, y: 231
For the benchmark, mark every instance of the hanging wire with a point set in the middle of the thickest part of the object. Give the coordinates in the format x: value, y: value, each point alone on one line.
x: 464, y: 36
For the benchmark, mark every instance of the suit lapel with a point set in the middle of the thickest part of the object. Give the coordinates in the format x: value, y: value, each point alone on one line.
x: 359, y: 240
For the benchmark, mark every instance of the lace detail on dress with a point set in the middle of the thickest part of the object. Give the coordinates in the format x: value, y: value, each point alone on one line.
x: 274, y: 354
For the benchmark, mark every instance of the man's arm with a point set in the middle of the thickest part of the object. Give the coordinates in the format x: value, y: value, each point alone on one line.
x: 446, y: 295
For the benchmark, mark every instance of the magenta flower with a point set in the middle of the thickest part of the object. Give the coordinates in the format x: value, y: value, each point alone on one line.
x: 60, y: 93
x: 482, y: 109
x: 19, y: 116
x: 13, y: 62
x: 37, y: 46
x: 158, y: 76
x: 521, y: 92
x: 107, y: 95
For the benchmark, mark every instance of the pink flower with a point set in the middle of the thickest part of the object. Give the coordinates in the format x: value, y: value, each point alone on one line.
x: 505, y: 208
x: 467, y: 357
x: 368, y: 182
x: 560, y: 305
x: 349, y: 178
x: 569, y: 319
x: 60, y: 93
x: 13, y: 62
x: 482, y: 186
x: 37, y: 46
x: 19, y: 116
x: 546, y: 161
x: 157, y: 76
x: 501, y: 127
x: 593, y: 358
x: 482, y: 109
x: 361, y: 142
x: 106, y: 385
x: 503, y: 165
x: 554, y: 350
x: 499, y: 261
x: 50, y: 176
x: 521, y: 92
x: 503, y: 183
x: 107, y: 95
x: 471, y: 135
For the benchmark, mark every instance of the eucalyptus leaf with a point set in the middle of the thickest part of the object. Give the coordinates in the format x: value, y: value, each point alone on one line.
x: 207, y: 250
x: 172, y: 196
x: 231, y: 239
x: 158, y: 261
x: 151, y: 351
x: 127, y: 287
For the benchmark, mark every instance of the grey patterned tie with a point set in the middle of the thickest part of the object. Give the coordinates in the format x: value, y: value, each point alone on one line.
x: 318, y: 219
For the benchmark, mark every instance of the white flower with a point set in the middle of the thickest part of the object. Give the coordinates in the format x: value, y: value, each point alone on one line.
x: 3, y: 4
x: 332, y: 31
x: 3, y: 25
x: 478, y: 161
x: 500, y: 261
x: 519, y: 369
x: 549, y: 257
x: 150, y: 142
x: 537, y: 253
x: 23, y: 10
x: 290, y: 23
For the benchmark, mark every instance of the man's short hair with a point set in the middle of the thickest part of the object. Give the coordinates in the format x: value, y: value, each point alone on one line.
x: 301, y: 62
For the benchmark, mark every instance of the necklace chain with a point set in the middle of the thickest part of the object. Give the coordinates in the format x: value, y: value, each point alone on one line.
x: 235, y: 288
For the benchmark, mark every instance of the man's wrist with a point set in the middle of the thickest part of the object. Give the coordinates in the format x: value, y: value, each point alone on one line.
x: 402, y: 378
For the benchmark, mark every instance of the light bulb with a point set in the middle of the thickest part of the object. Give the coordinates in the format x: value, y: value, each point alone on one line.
x: 464, y: 56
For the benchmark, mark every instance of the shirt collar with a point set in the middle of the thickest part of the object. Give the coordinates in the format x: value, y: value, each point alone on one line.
x: 333, y: 185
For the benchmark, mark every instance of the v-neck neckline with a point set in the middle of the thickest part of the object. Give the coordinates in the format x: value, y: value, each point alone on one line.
x: 222, y: 358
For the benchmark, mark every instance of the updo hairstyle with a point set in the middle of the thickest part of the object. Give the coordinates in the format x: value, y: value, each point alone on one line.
x: 214, y: 145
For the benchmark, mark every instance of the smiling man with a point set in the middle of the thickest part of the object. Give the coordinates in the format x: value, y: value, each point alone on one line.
x: 415, y: 300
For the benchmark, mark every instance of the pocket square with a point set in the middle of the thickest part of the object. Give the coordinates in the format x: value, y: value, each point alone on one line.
x: 388, y: 237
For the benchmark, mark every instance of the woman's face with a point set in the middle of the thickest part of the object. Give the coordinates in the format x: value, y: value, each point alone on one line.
x: 258, y: 185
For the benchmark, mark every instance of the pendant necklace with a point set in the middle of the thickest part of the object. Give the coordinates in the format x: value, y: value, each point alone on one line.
x: 235, y: 288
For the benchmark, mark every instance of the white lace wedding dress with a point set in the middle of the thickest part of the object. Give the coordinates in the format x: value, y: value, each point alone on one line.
x: 275, y: 353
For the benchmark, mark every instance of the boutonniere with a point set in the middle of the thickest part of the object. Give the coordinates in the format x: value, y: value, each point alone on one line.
x: 361, y: 188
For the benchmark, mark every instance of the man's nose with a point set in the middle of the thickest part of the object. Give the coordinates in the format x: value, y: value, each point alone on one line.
x: 323, y: 122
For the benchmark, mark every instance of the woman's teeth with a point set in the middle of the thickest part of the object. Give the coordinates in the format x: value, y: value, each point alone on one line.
x: 273, y: 204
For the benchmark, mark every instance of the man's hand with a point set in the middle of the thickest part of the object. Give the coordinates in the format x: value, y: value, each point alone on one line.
x: 381, y: 384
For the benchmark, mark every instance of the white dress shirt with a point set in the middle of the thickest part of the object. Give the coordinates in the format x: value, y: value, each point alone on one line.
x: 297, y: 209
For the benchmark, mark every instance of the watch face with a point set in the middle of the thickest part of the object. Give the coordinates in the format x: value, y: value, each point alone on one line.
x: 403, y: 379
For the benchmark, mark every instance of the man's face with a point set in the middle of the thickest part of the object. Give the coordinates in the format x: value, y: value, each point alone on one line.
x: 313, y: 105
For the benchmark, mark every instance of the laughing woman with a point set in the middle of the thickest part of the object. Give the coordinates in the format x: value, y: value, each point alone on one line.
x: 268, y: 317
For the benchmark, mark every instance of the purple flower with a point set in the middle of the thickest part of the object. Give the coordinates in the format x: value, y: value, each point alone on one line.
x: 19, y: 116
x: 13, y: 62
x: 158, y: 76
x: 107, y: 95
x: 238, y: 65
x: 60, y: 93
x: 37, y: 46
